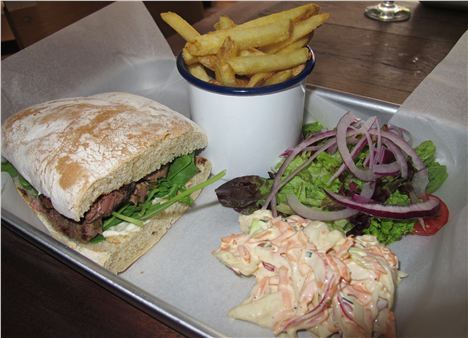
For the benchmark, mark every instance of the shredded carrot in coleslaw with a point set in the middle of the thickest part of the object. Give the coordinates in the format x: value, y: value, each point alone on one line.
x: 311, y: 278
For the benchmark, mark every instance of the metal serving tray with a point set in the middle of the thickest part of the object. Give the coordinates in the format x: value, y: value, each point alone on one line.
x: 140, y: 297
x: 178, y: 281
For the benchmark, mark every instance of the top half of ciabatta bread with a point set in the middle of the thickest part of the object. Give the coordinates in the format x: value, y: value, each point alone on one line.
x: 74, y: 150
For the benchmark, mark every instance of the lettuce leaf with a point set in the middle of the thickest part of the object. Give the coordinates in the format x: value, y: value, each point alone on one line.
x: 11, y: 170
x: 437, y: 176
x: 426, y: 152
x: 311, y: 128
x: 388, y: 231
x: 436, y: 171
x: 310, y: 183
x: 180, y: 171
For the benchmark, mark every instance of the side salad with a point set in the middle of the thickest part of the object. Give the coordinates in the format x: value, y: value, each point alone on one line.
x: 361, y: 178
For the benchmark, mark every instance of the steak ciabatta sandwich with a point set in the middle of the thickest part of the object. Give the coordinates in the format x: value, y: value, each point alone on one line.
x: 107, y: 174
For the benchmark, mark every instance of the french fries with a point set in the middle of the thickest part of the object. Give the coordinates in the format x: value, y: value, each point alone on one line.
x: 180, y: 25
x: 294, y: 45
x: 279, y: 77
x: 294, y: 14
x: 260, y: 52
x: 199, y: 72
x: 300, y: 30
x: 209, y: 61
x: 258, y: 78
x: 284, y: 75
x: 249, y: 65
x: 244, y: 37
x: 189, y: 58
x: 224, y: 22
x: 223, y: 70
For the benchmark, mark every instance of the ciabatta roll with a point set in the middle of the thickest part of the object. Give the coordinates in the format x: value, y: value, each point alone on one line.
x: 87, y: 156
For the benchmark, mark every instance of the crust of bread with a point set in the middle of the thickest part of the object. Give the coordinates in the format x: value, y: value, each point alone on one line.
x: 117, y: 253
x: 77, y: 149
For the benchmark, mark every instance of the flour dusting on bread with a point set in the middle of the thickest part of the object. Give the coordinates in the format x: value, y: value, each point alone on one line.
x: 74, y: 150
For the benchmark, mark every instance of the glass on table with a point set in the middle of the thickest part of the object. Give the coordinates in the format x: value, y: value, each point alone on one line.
x: 388, y: 11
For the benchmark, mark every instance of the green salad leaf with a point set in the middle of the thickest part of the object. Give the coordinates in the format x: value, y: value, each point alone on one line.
x: 167, y: 191
x: 436, y: 171
x: 311, y: 128
x: 388, y: 231
x: 180, y: 172
x: 11, y: 170
x: 310, y: 183
x: 426, y: 151
x: 437, y: 176
x: 342, y: 225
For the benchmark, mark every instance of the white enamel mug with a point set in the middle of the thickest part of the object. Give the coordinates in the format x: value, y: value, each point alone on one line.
x: 248, y: 128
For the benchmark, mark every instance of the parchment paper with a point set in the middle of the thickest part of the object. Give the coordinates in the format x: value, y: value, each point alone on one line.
x: 121, y: 48
x: 433, y: 300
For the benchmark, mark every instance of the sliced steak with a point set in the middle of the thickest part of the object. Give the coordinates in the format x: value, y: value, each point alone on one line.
x: 91, y: 224
x: 145, y: 184
x: 154, y: 176
x: 107, y: 203
x: 140, y: 192
x: 81, y: 231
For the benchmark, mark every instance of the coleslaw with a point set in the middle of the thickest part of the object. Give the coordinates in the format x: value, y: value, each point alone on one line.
x: 309, y: 277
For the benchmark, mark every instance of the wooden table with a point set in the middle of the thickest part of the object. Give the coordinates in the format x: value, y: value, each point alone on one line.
x: 42, y: 297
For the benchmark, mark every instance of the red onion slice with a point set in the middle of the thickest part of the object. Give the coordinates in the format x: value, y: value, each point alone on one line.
x: 401, y: 132
x: 414, y: 199
x: 322, y: 215
x: 268, y: 266
x: 341, y: 133
x: 361, y: 199
x: 399, y: 157
x: 389, y: 169
x: 422, y: 209
x: 308, y: 317
x: 366, y: 126
x: 347, y: 310
x: 318, y: 214
x: 420, y: 178
x: 420, y: 182
x: 372, y: 153
x: 304, y: 165
x: 294, y: 152
x: 357, y: 148
x: 380, y: 151
x: 368, y: 189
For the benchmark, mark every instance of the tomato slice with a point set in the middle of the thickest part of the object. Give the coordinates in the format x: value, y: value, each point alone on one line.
x: 435, y: 223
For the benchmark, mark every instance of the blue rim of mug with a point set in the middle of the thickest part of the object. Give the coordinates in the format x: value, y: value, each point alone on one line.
x: 184, y: 72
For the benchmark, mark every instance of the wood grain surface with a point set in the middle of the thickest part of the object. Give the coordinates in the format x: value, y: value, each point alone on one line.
x: 42, y: 297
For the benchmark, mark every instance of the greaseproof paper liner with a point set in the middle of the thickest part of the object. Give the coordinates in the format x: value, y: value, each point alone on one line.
x: 433, y: 300
x: 119, y: 48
